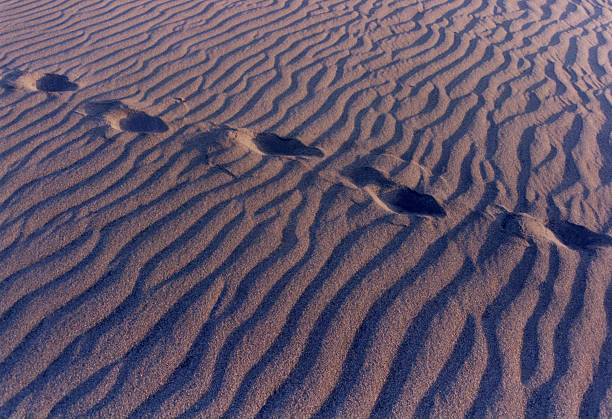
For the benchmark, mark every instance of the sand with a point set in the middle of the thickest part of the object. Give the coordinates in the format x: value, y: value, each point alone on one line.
x: 283, y: 208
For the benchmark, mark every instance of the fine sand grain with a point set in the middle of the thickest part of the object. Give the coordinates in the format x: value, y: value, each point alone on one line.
x: 295, y: 208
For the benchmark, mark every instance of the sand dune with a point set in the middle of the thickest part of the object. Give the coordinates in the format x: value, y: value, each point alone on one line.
x: 291, y: 208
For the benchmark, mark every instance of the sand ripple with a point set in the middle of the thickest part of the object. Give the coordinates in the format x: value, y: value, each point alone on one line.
x: 305, y: 208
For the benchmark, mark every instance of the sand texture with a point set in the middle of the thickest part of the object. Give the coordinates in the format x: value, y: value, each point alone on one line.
x: 300, y: 208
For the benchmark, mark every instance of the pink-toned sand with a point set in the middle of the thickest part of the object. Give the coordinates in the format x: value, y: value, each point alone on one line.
x: 283, y: 208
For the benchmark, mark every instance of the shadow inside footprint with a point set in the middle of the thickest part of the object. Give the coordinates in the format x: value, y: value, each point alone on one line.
x: 578, y: 237
x: 55, y: 83
x: 571, y: 235
x: 410, y: 201
x: 141, y: 122
x: 273, y: 144
x: 398, y: 198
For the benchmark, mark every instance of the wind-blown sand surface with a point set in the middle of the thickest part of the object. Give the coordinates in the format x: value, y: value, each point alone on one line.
x: 296, y: 208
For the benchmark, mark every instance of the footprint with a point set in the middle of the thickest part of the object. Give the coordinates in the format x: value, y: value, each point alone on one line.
x: 44, y: 82
x: 55, y: 83
x: 99, y: 108
x: 122, y: 117
x: 561, y: 232
x: 9, y: 80
x: 527, y: 227
x: 138, y: 121
x: 577, y: 236
x: 271, y: 144
x: 409, y: 201
x: 369, y: 176
x: 394, y: 197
